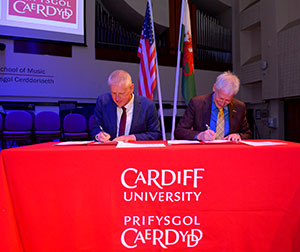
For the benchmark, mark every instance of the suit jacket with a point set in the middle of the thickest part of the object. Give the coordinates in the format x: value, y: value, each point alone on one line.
x: 144, y: 125
x: 197, y: 115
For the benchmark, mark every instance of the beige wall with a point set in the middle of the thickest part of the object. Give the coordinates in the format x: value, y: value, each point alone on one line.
x: 267, y: 56
x: 287, y: 13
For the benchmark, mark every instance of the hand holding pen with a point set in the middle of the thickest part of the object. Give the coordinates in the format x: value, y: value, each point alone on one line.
x: 207, y: 135
x: 102, y: 136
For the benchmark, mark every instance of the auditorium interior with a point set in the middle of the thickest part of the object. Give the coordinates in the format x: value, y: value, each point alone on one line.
x: 64, y: 187
x: 259, y: 40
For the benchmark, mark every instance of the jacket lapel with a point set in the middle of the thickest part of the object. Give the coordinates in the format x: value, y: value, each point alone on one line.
x: 232, y: 113
x: 136, y: 113
x: 207, y: 110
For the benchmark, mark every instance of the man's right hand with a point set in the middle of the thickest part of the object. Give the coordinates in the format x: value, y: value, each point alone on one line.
x: 102, y: 137
x: 207, y: 135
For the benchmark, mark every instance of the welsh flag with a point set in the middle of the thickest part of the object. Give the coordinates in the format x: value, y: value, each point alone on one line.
x: 186, y: 47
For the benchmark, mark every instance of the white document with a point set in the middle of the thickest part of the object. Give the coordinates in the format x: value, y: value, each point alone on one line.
x: 183, y: 142
x: 218, y: 141
x: 138, y: 145
x: 74, y: 143
x: 265, y: 143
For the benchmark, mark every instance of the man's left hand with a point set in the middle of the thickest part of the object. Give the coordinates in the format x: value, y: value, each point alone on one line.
x: 125, y: 138
x: 233, y: 137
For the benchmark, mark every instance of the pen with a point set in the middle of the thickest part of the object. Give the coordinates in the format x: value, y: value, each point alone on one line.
x: 105, y: 135
x: 207, y: 126
x: 102, y: 130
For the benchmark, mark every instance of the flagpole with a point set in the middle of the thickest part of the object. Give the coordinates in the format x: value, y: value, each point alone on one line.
x: 177, y: 75
x: 158, y: 82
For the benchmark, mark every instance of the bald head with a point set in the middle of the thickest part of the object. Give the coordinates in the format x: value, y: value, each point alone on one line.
x: 228, y: 82
x: 119, y: 78
x: 121, y: 87
x: 226, y: 86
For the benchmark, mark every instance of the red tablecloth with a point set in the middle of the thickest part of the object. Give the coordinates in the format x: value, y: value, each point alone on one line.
x: 217, y: 197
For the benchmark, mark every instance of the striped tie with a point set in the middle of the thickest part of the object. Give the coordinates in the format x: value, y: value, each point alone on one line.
x: 220, y: 125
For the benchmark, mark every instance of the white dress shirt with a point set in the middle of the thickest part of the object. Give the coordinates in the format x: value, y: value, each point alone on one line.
x: 129, y: 112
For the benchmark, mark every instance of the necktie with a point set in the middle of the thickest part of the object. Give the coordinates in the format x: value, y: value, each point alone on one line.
x: 220, y: 125
x: 122, y: 122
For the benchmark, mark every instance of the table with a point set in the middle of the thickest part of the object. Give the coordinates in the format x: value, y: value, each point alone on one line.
x: 201, y: 197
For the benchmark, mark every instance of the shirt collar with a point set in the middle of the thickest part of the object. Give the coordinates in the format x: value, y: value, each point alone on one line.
x: 129, y: 105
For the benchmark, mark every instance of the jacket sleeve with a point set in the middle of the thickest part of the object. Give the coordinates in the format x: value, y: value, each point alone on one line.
x: 184, y: 129
x: 98, y: 119
x: 151, y: 125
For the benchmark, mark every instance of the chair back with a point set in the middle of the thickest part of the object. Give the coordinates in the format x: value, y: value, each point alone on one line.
x: 92, y: 121
x: 74, y: 123
x: 47, y: 120
x: 18, y: 121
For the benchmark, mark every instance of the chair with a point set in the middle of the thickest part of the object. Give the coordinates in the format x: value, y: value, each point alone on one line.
x: 92, y: 122
x: 75, y: 127
x: 17, y: 128
x: 47, y: 126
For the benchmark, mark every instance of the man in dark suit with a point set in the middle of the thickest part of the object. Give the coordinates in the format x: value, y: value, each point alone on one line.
x: 217, y: 115
x: 123, y: 116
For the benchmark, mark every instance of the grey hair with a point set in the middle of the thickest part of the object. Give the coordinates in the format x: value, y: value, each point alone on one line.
x: 228, y: 82
x: 119, y: 77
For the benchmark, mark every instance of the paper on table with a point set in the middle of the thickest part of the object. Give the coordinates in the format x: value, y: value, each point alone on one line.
x: 105, y: 143
x: 266, y: 143
x: 218, y: 141
x: 74, y: 143
x: 137, y: 145
x: 183, y: 142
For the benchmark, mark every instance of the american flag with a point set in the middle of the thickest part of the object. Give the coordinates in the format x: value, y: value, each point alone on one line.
x: 147, y: 55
